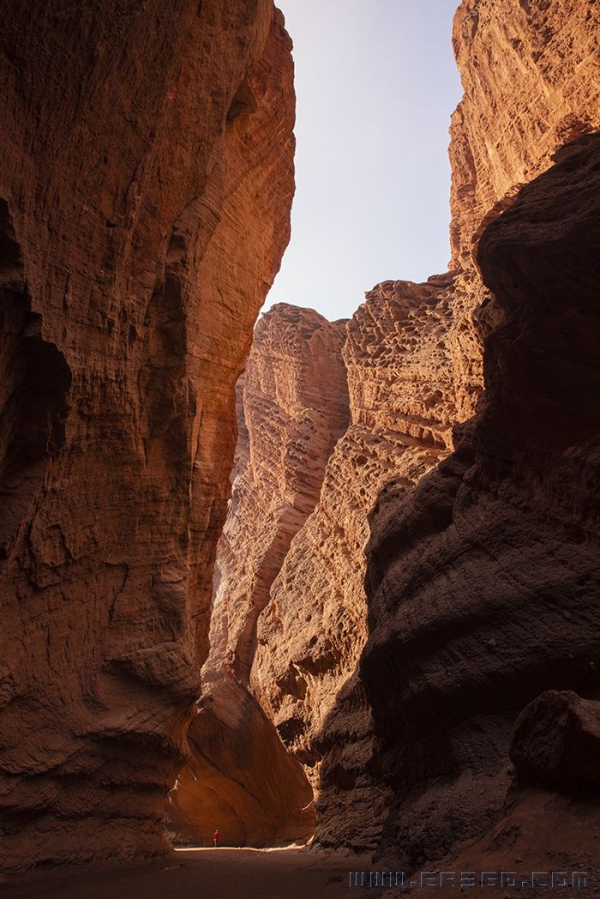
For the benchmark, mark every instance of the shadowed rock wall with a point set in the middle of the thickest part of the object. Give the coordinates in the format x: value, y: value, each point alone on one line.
x: 474, y: 559
x: 484, y: 581
x: 485, y: 584
x: 145, y: 188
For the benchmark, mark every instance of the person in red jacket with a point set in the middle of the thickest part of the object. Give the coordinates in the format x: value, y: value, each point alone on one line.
x: 216, y: 837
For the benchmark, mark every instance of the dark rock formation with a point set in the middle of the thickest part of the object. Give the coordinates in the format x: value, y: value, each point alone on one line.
x: 145, y: 189
x: 485, y: 583
x: 545, y: 835
x: 556, y: 742
x: 484, y: 580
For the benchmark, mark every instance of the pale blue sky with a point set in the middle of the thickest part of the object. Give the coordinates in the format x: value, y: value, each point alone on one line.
x: 376, y: 84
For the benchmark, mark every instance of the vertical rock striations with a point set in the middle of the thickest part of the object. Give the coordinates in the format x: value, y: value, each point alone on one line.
x: 484, y: 580
x: 295, y: 406
x: 145, y: 188
x: 482, y: 563
x: 404, y: 391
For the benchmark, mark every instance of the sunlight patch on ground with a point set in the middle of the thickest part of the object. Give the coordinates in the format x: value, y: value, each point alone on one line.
x: 295, y: 848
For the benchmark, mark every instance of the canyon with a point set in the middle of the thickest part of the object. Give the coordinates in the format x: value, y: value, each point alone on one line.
x: 293, y: 406
x: 377, y: 626
x: 447, y: 573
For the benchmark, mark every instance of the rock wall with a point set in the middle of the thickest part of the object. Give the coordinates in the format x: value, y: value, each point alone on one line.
x: 484, y: 580
x: 295, y: 406
x: 403, y: 401
x: 529, y: 71
x: 145, y: 189
x: 481, y: 576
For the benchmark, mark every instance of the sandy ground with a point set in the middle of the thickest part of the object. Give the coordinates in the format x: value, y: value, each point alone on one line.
x: 539, y: 831
x: 211, y: 874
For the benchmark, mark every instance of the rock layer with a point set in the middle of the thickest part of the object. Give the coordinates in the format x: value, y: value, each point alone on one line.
x: 484, y: 584
x: 145, y: 188
x: 404, y: 393
x: 295, y: 406
x: 480, y: 563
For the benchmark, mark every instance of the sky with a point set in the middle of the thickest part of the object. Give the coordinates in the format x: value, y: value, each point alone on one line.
x: 376, y: 84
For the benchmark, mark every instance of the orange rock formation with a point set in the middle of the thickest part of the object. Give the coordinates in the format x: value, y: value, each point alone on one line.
x: 145, y: 190
x: 295, y: 406
x: 474, y: 606
x: 144, y: 204
x: 402, y: 402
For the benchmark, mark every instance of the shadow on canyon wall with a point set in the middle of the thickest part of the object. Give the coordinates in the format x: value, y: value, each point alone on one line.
x: 484, y: 583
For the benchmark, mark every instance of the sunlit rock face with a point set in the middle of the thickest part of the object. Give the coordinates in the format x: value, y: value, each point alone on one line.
x: 482, y: 576
x: 484, y: 580
x: 529, y: 70
x: 403, y: 401
x: 283, y: 712
x: 294, y: 407
x: 145, y: 190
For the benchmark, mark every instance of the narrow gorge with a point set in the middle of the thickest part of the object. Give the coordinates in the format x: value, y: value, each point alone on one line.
x: 336, y: 582
x: 446, y: 575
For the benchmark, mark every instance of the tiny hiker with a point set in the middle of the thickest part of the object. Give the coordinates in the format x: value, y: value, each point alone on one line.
x: 216, y: 837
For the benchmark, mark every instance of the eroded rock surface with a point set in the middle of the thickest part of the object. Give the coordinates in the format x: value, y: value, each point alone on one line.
x: 529, y: 71
x: 556, y: 742
x: 481, y: 577
x: 403, y: 401
x: 485, y: 583
x: 295, y: 407
x: 145, y: 189
x: 482, y: 571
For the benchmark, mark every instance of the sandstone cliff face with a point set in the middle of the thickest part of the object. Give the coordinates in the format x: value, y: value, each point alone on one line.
x: 529, y: 71
x: 484, y: 580
x: 481, y: 574
x: 295, y: 406
x: 145, y: 188
x: 403, y: 401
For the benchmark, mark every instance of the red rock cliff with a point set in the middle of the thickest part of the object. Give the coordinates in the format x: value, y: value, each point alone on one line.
x: 529, y: 70
x: 473, y: 606
x: 484, y: 580
x: 145, y: 188
x: 403, y: 401
x: 295, y: 406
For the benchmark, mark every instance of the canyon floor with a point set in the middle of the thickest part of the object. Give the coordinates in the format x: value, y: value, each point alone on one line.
x: 211, y: 874
x: 524, y: 838
x: 539, y: 832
